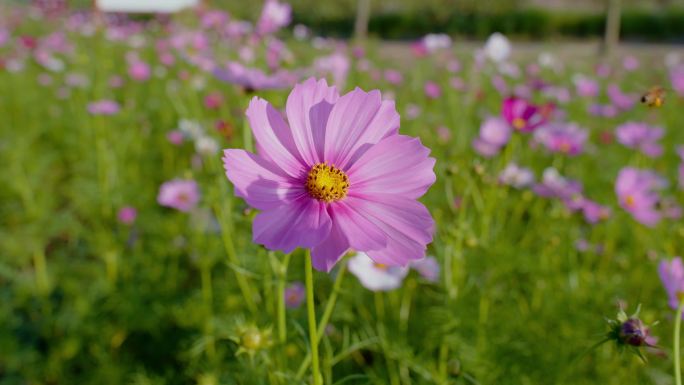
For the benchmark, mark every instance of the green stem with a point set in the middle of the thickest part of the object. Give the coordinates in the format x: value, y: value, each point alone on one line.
x: 208, y: 297
x: 675, y: 344
x: 327, y: 313
x: 282, y: 279
x: 315, y: 370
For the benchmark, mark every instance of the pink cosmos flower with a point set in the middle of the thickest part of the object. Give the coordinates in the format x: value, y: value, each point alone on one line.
x: 641, y: 136
x: 139, y: 70
x: 565, y: 138
x: 621, y: 100
x: 393, y: 77
x: 103, y: 107
x: 432, y: 90
x: 252, y: 79
x: 180, y: 194
x: 175, y: 137
x: 213, y: 100
x: 327, y: 179
x: 554, y: 185
x: 376, y: 276
x: 494, y: 134
x: 586, y: 87
x: 672, y: 275
x: 274, y: 16
x: 523, y: 115
x: 677, y: 79
x: 594, y: 212
x: 294, y: 295
x: 630, y: 63
x: 127, y: 215
x: 637, y: 193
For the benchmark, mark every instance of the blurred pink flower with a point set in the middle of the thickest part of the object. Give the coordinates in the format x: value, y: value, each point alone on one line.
x: 672, y: 275
x: 642, y: 137
x: 274, y: 16
x: 213, y: 100
x: 175, y: 137
x: 432, y: 90
x: 630, y: 63
x: 393, y: 77
x: 565, y: 138
x: 586, y: 87
x: 180, y: 194
x: 637, y: 192
x: 620, y: 99
x: 677, y: 79
x: 139, y: 70
x: 103, y: 107
x: 127, y: 215
x: 516, y: 176
x: 294, y: 295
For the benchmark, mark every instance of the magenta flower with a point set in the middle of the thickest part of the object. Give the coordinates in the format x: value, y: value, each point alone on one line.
x: 127, y: 215
x: 103, y: 107
x: 274, y: 16
x: 180, y: 194
x: 641, y: 136
x: 329, y: 181
x: 213, y: 100
x: 565, y: 138
x: 294, y: 295
x: 523, y: 115
x: 175, y: 137
x: 672, y: 275
x: 139, y: 70
x: 432, y: 90
x: 637, y: 193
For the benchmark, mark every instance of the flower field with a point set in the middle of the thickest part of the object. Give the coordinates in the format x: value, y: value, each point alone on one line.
x: 199, y: 199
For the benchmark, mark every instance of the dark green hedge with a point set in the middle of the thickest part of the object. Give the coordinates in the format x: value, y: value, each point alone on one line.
x: 665, y: 25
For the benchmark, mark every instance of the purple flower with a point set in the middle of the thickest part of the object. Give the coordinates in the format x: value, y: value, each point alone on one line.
x: 554, y: 185
x: 672, y: 275
x: 328, y: 178
x: 127, y: 215
x: 522, y: 115
x: 516, y: 176
x: 294, y: 295
x: 375, y: 276
x: 637, y: 194
x: 594, y: 212
x: 393, y: 77
x: 495, y: 131
x: 103, y: 107
x: 252, y: 79
x: 630, y: 63
x: 565, y: 138
x: 428, y: 268
x: 619, y: 99
x: 677, y: 79
x: 274, y: 15
x: 586, y: 87
x: 180, y: 194
x: 432, y: 90
x: 641, y: 136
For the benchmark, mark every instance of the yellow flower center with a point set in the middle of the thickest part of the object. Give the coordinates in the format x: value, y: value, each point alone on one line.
x: 629, y: 201
x: 327, y: 183
x: 565, y: 147
x: 380, y: 266
x: 519, y: 123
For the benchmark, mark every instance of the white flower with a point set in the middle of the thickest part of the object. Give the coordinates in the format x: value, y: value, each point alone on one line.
x: 516, y: 176
x: 205, y: 145
x: 374, y: 276
x: 497, y: 48
x: 191, y: 128
x: 436, y: 41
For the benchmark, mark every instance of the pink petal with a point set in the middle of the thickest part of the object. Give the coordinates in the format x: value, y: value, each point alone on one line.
x: 407, y: 224
x: 326, y: 254
x: 398, y: 165
x: 274, y: 137
x: 262, y: 184
x: 357, y: 119
x: 302, y: 223
x: 362, y: 234
x: 308, y: 108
